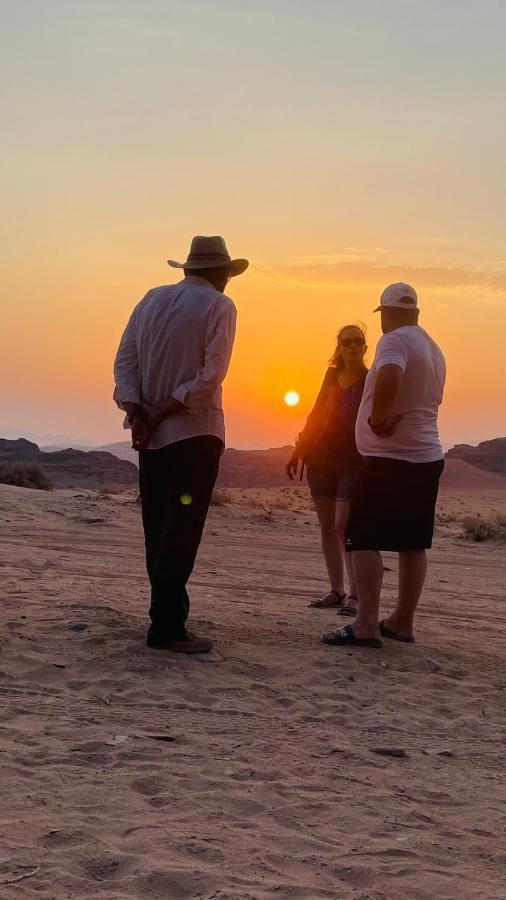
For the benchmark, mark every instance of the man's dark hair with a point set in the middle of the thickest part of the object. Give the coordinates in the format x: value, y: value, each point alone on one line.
x: 402, y: 316
x: 215, y: 275
x: 205, y: 273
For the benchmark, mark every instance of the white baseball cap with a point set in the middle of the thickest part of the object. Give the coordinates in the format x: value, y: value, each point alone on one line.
x: 398, y: 296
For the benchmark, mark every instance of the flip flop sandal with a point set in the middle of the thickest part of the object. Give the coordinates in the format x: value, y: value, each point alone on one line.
x: 344, y: 637
x: 319, y: 604
x: 393, y: 636
x: 350, y: 611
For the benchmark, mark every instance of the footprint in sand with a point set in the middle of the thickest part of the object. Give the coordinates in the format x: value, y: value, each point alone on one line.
x: 108, y: 868
x: 63, y: 838
x: 150, y: 786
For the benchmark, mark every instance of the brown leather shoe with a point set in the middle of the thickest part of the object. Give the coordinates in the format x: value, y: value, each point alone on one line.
x: 191, y: 644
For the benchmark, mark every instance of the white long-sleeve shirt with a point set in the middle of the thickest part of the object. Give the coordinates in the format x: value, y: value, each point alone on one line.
x: 178, y: 343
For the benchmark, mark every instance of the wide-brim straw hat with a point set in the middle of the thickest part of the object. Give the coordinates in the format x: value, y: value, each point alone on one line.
x: 208, y: 253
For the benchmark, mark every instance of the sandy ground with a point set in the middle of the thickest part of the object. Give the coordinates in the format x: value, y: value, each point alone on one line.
x: 129, y: 773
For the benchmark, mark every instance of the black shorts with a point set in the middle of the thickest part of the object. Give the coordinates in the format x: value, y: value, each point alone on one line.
x: 329, y: 479
x: 393, y: 505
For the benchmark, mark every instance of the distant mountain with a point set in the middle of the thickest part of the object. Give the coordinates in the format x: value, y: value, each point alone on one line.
x: 55, y: 441
x: 73, y: 468
x: 489, y: 455
x: 266, y: 468
x: 254, y: 468
x: 114, y: 466
x: 239, y: 468
x: 121, y: 449
x: 53, y: 448
x: 459, y: 475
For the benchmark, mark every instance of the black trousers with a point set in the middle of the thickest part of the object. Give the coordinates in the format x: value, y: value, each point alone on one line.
x: 176, y: 485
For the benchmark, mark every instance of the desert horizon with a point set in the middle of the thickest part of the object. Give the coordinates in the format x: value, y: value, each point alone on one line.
x: 114, y: 466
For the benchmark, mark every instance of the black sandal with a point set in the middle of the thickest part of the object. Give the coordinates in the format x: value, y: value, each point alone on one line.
x: 319, y: 604
x: 350, y: 611
x: 344, y: 637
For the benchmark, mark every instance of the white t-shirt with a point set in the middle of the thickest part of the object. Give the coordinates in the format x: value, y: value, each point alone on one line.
x: 416, y: 437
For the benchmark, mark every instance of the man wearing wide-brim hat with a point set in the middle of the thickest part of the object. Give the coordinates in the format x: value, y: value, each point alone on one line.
x: 170, y: 365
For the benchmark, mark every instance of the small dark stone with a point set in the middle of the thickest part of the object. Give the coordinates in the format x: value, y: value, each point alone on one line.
x: 429, y: 665
x: 78, y: 626
x: 433, y: 665
x: 59, y: 665
x: 389, y: 751
x: 161, y: 737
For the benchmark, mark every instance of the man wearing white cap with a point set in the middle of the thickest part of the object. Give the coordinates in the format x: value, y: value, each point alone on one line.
x: 394, y: 501
x: 172, y: 359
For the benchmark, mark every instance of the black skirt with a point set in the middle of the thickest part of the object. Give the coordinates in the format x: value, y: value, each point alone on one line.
x: 393, y: 505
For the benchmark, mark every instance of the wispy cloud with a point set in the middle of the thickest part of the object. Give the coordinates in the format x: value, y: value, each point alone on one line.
x: 347, y: 254
x: 350, y: 269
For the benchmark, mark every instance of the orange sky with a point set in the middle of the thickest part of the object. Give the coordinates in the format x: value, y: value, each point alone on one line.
x: 334, y: 164
x: 60, y: 336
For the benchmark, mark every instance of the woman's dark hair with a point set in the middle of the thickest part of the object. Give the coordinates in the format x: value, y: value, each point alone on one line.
x: 336, y: 358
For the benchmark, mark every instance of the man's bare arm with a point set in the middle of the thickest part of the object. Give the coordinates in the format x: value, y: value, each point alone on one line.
x: 388, y: 382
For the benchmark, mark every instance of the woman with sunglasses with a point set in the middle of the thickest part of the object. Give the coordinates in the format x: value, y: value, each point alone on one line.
x: 327, y: 447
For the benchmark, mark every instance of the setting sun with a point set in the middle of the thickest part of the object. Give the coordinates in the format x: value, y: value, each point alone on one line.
x: 292, y: 398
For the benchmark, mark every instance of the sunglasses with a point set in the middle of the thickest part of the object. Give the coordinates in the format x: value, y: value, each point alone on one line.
x: 349, y: 342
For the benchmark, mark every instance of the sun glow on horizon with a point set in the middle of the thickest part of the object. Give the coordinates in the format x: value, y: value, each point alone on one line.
x: 292, y: 398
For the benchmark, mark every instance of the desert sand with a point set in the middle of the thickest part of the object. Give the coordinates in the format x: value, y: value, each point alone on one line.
x: 254, y: 772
